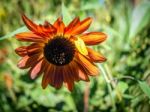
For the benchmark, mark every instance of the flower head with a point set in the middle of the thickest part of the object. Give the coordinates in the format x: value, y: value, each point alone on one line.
x: 60, y: 52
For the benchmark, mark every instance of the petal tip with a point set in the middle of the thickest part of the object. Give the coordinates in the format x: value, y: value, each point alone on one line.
x: 105, y: 59
x: 32, y: 76
x: 43, y: 86
x: 89, y: 19
x: 31, y: 25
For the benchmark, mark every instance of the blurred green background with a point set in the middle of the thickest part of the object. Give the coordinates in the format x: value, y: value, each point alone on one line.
x: 124, y: 82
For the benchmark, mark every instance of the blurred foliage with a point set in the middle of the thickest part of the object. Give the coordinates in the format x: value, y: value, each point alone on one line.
x: 124, y: 83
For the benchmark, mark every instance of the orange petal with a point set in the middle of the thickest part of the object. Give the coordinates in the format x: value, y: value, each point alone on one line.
x: 88, y: 66
x: 60, y: 26
x: 29, y: 37
x: 47, y: 75
x: 93, y: 38
x: 80, y: 45
x: 84, y: 25
x: 21, y: 51
x: 95, y: 56
x: 73, y: 24
x: 44, y: 30
x: 37, y: 69
x: 31, y: 26
x: 48, y: 28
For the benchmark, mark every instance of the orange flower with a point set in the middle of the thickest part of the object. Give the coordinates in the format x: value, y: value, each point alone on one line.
x: 60, y: 52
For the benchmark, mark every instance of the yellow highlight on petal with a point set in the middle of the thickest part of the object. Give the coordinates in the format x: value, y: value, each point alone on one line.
x: 80, y: 45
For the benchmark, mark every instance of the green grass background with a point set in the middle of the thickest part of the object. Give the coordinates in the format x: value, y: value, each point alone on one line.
x: 123, y: 84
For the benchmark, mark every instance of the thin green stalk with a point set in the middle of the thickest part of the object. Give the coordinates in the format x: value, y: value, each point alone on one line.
x: 108, y: 86
x: 112, y: 81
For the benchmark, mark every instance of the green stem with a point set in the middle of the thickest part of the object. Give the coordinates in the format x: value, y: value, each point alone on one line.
x: 112, y: 81
x: 108, y: 86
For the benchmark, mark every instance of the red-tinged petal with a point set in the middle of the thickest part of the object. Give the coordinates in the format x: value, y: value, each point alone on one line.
x: 60, y: 26
x: 21, y: 51
x: 27, y: 61
x: 68, y: 78
x: 31, y: 26
x: 69, y: 85
x: 37, y: 69
x: 29, y: 37
x: 57, y: 81
x: 73, y: 24
x: 93, y: 38
x: 47, y: 75
x: 89, y: 67
x: 34, y: 48
x: 95, y: 56
x: 68, y: 74
x: 30, y: 50
x: 80, y: 28
x: 73, y: 67
x: 83, y: 75
x: 23, y: 62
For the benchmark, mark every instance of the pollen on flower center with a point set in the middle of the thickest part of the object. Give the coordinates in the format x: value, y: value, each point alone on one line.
x: 59, y: 51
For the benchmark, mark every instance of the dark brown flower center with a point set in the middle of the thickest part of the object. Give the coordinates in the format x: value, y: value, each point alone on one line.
x: 59, y: 51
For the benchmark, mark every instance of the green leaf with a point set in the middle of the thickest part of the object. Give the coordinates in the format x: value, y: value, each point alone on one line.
x: 122, y: 86
x: 23, y: 102
x: 70, y: 105
x: 140, y: 18
x: 22, y: 29
x: 48, y: 97
x: 128, y: 96
x: 145, y: 88
x: 65, y: 13
x: 121, y: 89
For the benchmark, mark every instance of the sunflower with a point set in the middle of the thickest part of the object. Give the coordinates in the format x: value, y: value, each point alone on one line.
x: 60, y: 52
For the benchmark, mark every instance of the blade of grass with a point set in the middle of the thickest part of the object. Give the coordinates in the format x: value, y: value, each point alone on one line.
x: 145, y: 88
x: 139, y: 21
x: 9, y: 35
x: 108, y: 85
x: 65, y: 13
